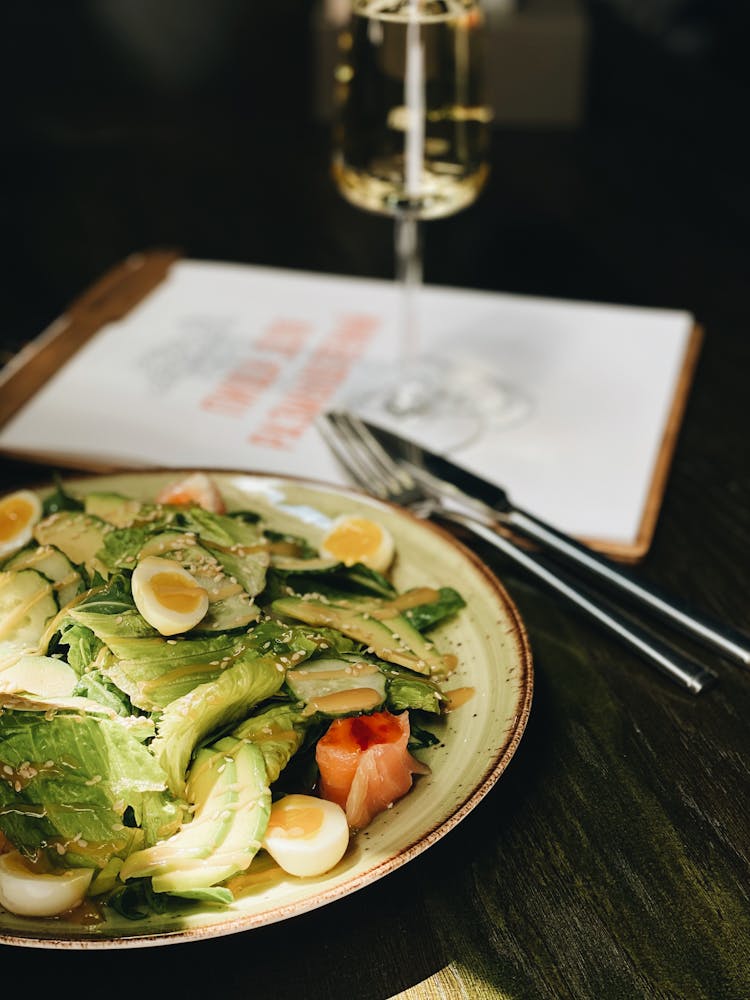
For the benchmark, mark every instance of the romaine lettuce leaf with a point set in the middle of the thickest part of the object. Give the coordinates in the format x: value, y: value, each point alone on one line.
x: 284, y: 542
x: 334, y: 580
x: 248, y: 568
x: 122, y: 545
x: 160, y: 816
x: 186, y: 721
x: 67, y: 779
x: 154, y: 672
x: 279, y: 732
x: 240, y: 578
x: 83, y: 647
x: 60, y: 499
x: 109, y: 611
x: 96, y: 687
x: 237, y: 544
x: 219, y: 529
x: 424, y: 616
x: 407, y: 691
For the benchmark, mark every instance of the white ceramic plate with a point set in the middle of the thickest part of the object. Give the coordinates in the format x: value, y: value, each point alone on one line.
x: 477, y: 739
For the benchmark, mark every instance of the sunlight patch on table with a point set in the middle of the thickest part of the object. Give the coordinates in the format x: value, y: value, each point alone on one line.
x: 453, y: 982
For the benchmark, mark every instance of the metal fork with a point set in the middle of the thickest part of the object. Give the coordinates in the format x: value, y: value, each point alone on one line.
x: 368, y: 463
x: 373, y: 470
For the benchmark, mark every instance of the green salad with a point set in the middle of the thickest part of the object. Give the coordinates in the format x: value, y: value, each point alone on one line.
x: 170, y: 671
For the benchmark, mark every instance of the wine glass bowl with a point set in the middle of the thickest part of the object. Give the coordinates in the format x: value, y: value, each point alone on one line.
x: 412, y: 134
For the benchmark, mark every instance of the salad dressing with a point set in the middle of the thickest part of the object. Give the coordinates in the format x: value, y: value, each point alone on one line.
x: 281, y: 547
x: 264, y: 872
x: 86, y: 914
x: 173, y: 676
x: 457, y: 697
x: 411, y: 599
x: 356, y: 700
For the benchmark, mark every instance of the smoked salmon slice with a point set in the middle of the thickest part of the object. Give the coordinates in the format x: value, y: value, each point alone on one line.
x: 365, y: 765
x: 196, y: 488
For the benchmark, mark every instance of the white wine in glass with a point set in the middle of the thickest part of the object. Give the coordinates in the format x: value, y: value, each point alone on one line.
x: 411, y: 141
x: 413, y: 131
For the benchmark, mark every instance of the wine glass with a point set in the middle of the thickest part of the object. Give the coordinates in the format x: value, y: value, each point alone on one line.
x: 411, y: 141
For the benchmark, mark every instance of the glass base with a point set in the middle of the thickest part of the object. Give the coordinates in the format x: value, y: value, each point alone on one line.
x: 442, y: 404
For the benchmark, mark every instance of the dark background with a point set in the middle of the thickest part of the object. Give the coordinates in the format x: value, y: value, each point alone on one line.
x: 130, y: 124
x: 195, y: 129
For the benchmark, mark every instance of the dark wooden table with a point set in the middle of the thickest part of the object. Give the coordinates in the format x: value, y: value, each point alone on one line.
x: 612, y: 860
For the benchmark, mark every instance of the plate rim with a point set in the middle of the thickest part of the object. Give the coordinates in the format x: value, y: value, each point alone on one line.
x: 497, y: 765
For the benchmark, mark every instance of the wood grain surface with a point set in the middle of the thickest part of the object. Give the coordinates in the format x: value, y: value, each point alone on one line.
x: 612, y: 860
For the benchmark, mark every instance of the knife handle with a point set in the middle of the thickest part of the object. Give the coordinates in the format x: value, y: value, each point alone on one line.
x: 684, y: 671
x: 721, y: 639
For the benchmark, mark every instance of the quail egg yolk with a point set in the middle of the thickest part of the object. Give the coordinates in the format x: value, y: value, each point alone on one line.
x: 306, y: 836
x: 29, y: 894
x: 19, y: 512
x: 167, y: 596
x: 354, y: 539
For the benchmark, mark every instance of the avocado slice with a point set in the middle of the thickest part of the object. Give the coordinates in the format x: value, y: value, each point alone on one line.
x: 45, y: 676
x: 299, y: 566
x: 55, y: 565
x: 27, y: 605
x: 228, y: 787
x: 78, y: 535
x: 393, y: 639
x: 439, y: 664
x: 117, y: 509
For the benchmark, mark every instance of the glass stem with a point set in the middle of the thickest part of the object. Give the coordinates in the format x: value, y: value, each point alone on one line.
x: 408, y: 253
x: 410, y: 394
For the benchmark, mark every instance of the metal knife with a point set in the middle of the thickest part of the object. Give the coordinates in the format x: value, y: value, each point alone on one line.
x: 448, y: 480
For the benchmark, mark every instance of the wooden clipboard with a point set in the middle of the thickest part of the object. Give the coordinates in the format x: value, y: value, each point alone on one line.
x: 118, y: 291
x: 635, y: 551
x: 109, y: 299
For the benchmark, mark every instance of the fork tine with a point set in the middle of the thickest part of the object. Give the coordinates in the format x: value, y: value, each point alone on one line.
x: 396, y: 474
x: 362, y: 456
x: 356, y: 458
x: 397, y: 487
x: 340, y: 443
x: 377, y: 478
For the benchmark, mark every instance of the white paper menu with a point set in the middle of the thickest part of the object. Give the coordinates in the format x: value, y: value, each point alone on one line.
x: 227, y: 366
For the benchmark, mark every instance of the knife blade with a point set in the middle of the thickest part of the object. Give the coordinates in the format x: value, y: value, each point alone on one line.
x: 445, y: 480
